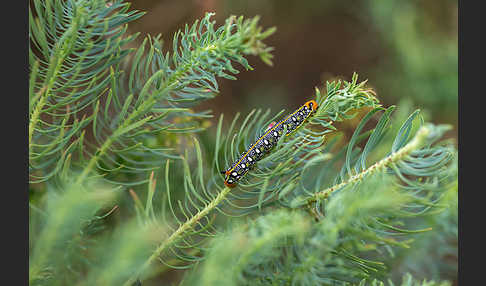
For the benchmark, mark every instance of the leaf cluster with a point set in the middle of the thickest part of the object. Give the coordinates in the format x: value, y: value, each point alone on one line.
x: 114, y: 108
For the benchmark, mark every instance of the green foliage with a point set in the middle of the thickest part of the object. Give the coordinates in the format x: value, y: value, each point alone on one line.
x: 126, y: 186
x: 248, y: 246
x: 407, y: 280
x: 69, y: 220
x: 360, y: 223
x: 74, y: 245
x: 80, y: 84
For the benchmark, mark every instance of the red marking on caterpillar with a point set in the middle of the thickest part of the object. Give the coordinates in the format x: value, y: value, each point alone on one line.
x: 271, y: 125
x: 267, y: 141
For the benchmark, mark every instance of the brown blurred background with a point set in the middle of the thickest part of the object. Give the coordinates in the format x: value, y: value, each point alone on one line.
x: 406, y: 49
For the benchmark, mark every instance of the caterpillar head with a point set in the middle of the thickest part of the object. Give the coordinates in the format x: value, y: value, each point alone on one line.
x: 229, y: 181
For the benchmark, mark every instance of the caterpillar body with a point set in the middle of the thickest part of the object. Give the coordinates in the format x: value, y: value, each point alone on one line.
x: 267, y: 141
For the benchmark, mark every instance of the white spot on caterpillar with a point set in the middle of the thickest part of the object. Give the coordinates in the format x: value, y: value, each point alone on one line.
x: 294, y: 119
x: 275, y: 134
x: 265, y: 142
x: 257, y: 150
x: 250, y: 159
x: 234, y: 174
x: 243, y: 166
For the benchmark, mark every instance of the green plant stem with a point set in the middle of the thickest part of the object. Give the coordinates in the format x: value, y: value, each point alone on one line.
x: 62, y: 51
x: 35, y: 117
x: 416, y: 143
x: 179, y: 233
x: 43, y: 94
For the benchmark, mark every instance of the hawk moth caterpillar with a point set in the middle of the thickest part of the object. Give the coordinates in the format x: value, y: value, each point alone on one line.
x: 265, y: 143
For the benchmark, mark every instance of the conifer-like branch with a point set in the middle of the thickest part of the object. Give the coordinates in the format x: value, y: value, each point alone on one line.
x: 178, y: 234
x: 78, y: 80
x: 73, y: 46
x: 416, y: 143
x: 195, y: 69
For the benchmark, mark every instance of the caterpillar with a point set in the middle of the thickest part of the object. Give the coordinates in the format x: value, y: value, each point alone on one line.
x: 266, y: 142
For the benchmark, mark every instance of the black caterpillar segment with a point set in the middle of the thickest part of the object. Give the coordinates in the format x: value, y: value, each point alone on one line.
x: 266, y: 142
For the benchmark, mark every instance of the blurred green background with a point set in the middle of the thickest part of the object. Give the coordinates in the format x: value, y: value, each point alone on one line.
x: 408, y: 50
